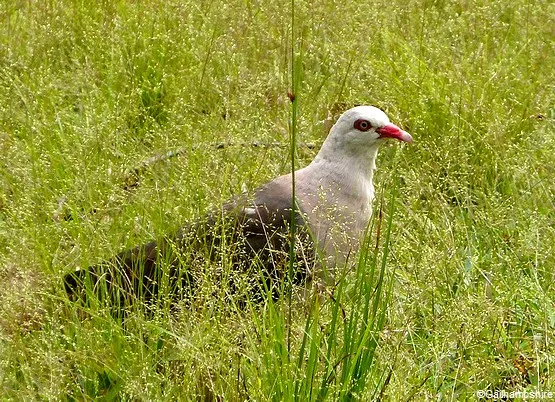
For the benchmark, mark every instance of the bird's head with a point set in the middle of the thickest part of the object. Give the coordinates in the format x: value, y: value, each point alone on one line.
x: 362, y: 128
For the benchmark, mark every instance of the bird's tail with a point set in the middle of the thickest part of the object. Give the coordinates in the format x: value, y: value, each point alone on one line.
x: 143, y: 273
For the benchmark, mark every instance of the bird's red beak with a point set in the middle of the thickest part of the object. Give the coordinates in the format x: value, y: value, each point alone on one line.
x: 392, y: 131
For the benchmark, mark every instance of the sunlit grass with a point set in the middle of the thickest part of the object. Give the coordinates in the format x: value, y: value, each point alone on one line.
x: 88, y: 92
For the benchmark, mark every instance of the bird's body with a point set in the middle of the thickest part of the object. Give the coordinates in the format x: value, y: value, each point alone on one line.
x: 333, y: 207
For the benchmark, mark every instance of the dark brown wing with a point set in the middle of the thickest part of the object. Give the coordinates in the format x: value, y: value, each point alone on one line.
x: 254, y: 236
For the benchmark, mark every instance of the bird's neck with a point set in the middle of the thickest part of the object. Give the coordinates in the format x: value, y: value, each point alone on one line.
x: 352, y: 169
x: 347, y: 162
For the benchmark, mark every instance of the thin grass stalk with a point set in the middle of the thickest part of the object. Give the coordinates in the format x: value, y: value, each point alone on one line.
x: 293, y: 96
x: 381, y: 299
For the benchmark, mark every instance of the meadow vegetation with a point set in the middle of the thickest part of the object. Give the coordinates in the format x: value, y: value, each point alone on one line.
x: 454, y: 293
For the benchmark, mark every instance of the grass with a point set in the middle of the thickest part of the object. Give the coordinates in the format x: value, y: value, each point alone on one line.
x: 466, y: 273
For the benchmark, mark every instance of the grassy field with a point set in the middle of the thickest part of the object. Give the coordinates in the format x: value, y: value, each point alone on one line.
x: 458, y: 297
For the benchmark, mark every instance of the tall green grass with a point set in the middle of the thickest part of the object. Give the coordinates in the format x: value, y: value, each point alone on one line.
x: 463, y: 272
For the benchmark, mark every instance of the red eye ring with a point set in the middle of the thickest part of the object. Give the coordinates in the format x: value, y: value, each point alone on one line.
x: 362, y: 125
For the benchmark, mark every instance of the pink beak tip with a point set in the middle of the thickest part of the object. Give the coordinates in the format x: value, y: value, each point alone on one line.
x: 406, y: 137
x: 392, y: 131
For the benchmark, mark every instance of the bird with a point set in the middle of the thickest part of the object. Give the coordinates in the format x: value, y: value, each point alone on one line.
x: 330, y: 211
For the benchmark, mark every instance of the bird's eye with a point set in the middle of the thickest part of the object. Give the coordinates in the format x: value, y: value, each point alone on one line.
x: 362, y: 125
